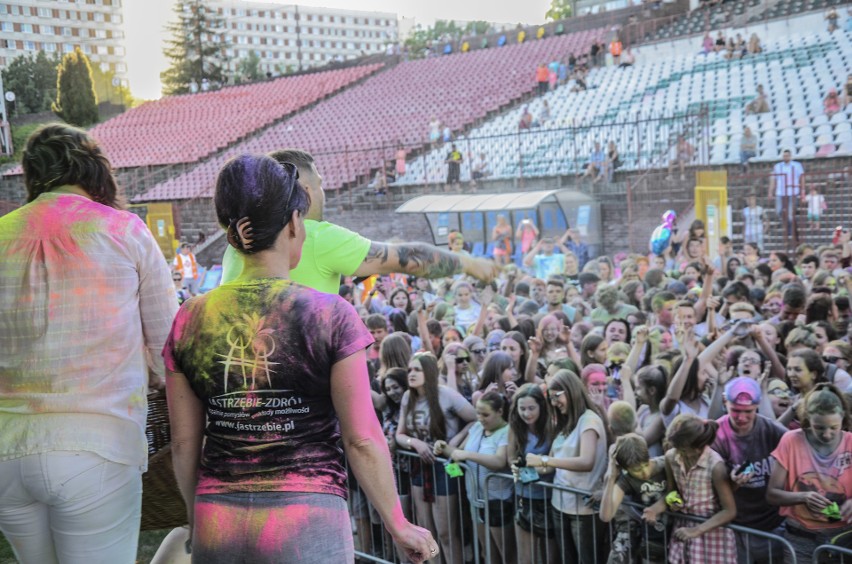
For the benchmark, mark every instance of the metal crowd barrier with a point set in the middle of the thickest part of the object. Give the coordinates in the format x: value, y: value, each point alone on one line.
x: 833, y: 554
x: 373, y: 544
x: 573, y: 538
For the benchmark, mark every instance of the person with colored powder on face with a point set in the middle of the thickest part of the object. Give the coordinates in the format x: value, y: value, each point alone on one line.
x: 85, y: 292
x: 331, y: 251
x: 745, y: 441
x: 263, y: 388
x: 811, y: 481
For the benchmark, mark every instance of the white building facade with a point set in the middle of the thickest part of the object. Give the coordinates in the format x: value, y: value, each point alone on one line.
x: 292, y: 37
x: 58, y: 26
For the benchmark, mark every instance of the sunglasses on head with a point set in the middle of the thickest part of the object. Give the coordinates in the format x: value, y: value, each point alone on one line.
x: 830, y: 359
x: 555, y: 395
x: 293, y: 171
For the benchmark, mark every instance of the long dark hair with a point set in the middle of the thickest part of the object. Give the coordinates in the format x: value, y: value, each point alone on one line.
x: 689, y: 430
x: 492, y: 369
x: 578, y: 403
x: 60, y: 155
x: 519, y: 338
x: 542, y: 428
x: 437, y: 421
x: 400, y: 376
x: 259, y: 189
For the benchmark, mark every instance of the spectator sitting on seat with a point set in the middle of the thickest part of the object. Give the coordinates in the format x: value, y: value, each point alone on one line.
x: 759, y: 105
x: 731, y: 49
x: 748, y: 148
x: 683, y: 153
x: 740, y: 47
x: 754, y: 45
x: 831, y: 103
x: 628, y: 59
x: 847, y: 90
x: 526, y: 121
x: 612, y: 162
x: 480, y: 168
x: 544, y: 114
x: 579, y: 77
x: 720, y: 42
x: 831, y: 17
x: 707, y: 45
x: 597, y: 164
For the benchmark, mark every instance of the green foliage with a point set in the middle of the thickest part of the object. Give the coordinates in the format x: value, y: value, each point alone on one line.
x: 106, y: 92
x: 249, y: 68
x: 559, y: 10
x: 443, y: 31
x: 192, y: 51
x: 33, y: 80
x: 76, y: 102
x: 20, y: 134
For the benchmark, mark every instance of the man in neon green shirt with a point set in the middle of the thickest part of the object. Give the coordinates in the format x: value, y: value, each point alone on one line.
x: 331, y: 251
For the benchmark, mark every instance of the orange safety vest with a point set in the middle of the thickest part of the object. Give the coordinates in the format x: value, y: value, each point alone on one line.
x: 615, y: 48
x: 179, y: 259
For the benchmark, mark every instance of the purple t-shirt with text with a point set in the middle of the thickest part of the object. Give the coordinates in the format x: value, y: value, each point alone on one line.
x: 259, y: 355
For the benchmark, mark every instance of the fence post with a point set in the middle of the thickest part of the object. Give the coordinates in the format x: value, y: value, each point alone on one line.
x: 629, y: 215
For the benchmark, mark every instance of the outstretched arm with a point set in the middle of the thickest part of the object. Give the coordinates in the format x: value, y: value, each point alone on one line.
x: 423, y: 260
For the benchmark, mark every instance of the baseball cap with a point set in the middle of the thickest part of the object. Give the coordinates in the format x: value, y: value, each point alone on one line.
x: 743, y: 391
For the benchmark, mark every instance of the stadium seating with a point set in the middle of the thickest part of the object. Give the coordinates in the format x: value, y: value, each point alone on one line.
x: 786, y: 8
x: 354, y: 131
x: 180, y: 129
x: 705, y: 18
x: 625, y: 105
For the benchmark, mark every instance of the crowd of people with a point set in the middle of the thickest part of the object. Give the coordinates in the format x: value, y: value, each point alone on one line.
x: 724, y: 379
x: 631, y: 405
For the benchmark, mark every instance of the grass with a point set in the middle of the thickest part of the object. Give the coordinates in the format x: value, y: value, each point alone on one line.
x: 149, y: 541
x: 20, y: 133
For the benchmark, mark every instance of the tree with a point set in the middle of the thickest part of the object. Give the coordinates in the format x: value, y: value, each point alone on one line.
x: 559, y: 10
x: 420, y: 40
x: 33, y: 80
x: 106, y: 91
x: 76, y: 102
x: 196, y: 50
x: 249, y: 68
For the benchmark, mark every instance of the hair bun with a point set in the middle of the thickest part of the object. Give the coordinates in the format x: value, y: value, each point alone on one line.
x: 239, y: 233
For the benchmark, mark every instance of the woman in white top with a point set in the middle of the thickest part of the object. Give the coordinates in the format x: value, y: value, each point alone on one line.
x: 578, y: 456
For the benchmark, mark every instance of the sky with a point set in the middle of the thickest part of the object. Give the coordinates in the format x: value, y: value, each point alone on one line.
x: 145, y: 22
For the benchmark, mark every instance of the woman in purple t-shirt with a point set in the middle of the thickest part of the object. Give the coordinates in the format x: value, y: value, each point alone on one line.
x: 266, y: 379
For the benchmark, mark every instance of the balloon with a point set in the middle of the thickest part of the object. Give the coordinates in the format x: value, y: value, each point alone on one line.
x: 662, y: 234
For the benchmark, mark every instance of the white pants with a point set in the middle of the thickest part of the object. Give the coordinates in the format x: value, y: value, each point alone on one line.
x: 70, y: 507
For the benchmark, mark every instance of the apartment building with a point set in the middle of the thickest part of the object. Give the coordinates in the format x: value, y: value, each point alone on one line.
x: 288, y: 35
x: 58, y: 26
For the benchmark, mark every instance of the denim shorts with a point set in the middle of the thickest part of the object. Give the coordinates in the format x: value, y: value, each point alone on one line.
x: 267, y: 527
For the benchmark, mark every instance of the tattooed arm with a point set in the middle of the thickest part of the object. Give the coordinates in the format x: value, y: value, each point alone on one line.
x: 423, y: 260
